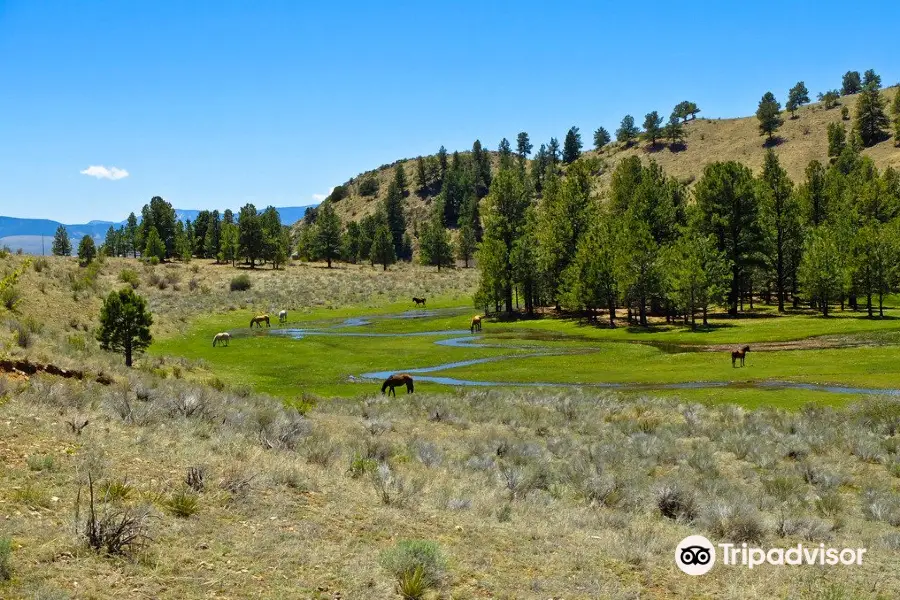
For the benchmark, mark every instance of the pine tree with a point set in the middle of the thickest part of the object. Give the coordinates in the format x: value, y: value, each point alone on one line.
x: 674, y: 131
x: 768, y: 112
x: 601, y: 138
x: 851, y: 83
x: 61, y: 244
x: 87, y: 250
x: 383, y: 248
x: 627, y: 131
x: 697, y: 274
x: 572, y: 146
x: 504, y: 222
x: 396, y: 221
x: 895, y: 110
x: 871, y: 120
x: 131, y: 232
x: 797, y: 97
x: 211, y: 239
x: 421, y: 177
x: 837, y: 139
x: 327, y: 241
x: 466, y: 244
x: 813, y: 197
x: 154, y: 247
x: 251, y: 237
x: 652, y: 127
x: 505, y: 152
x: 435, y: 248
x: 160, y: 215
x: 829, y: 99
x: 589, y: 282
x: 780, y: 217
x: 481, y: 165
x: 442, y: 161
x: 553, y: 154
x: 822, y: 271
x: 638, y: 269
x: 539, y: 168
x: 229, y: 242
x: 350, y: 242
x: 728, y: 209
x: 400, y: 178
x: 523, y: 146
x: 125, y: 323
x: 871, y: 79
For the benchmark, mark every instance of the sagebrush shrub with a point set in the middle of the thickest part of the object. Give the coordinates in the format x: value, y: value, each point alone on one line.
x: 409, y: 556
x: 240, y: 283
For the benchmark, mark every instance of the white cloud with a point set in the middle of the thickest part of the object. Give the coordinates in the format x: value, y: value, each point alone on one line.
x: 320, y: 197
x: 101, y: 172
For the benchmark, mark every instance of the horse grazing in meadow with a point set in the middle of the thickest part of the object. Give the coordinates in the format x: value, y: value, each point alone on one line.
x: 476, y: 324
x: 739, y: 355
x: 282, y: 317
x: 396, y: 380
x: 259, y: 320
x: 222, y: 338
x: 419, y: 301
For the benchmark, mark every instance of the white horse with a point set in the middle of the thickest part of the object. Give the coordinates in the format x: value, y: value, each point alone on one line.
x: 282, y: 317
x: 223, y: 337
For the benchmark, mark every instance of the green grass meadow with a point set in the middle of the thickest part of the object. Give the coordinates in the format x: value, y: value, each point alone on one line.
x: 576, y: 353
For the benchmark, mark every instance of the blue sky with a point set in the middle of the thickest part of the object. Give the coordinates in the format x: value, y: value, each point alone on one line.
x: 214, y: 104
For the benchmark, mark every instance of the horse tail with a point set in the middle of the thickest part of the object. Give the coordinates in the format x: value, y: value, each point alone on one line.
x: 409, y: 385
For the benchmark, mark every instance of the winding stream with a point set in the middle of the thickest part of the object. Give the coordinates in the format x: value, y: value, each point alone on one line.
x: 462, y: 338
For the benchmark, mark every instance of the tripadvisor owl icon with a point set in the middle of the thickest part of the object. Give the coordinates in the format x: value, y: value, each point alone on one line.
x: 695, y: 555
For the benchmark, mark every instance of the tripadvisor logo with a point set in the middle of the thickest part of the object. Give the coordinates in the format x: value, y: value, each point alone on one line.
x: 696, y: 555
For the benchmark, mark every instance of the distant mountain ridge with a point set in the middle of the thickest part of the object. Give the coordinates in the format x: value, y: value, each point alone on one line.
x: 27, y: 233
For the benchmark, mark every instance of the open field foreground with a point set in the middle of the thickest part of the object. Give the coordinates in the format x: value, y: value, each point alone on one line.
x: 274, y: 468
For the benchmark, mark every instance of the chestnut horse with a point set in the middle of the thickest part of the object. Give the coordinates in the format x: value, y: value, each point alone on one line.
x: 419, y: 301
x: 476, y: 324
x: 397, y: 380
x: 258, y: 321
x: 222, y: 338
x: 739, y: 355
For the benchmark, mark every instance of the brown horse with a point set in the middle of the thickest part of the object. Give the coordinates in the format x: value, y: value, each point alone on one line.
x: 476, y: 324
x: 258, y: 321
x: 419, y: 301
x: 739, y: 355
x: 397, y: 380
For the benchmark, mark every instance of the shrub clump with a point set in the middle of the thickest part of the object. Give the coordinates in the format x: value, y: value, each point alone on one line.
x: 131, y: 277
x: 417, y: 565
x: 5, y: 551
x: 240, y: 283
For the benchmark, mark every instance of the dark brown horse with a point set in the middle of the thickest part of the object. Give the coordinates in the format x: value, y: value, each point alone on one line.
x: 739, y: 355
x: 396, y: 380
x: 259, y: 320
x: 419, y: 301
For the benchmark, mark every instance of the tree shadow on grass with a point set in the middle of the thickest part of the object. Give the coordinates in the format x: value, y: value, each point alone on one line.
x: 773, y: 142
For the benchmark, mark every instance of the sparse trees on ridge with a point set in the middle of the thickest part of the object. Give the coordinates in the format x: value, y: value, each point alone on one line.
x: 627, y: 131
x: 769, y: 114
x: 797, y: 97
x: 61, y: 244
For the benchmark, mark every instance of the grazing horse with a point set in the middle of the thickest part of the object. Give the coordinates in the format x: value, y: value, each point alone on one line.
x: 222, y: 338
x: 739, y: 355
x: 476, y: 324
x: 396, y: 380
x: 258, y: 321
x: 282, y: 317
x: 419, y: 301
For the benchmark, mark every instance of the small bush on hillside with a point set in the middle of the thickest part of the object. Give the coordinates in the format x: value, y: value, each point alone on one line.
x: 131, y: 277
x: 10, y: 297
x: 5, y: 551
x: 40, y: 463
x: 369, y: 187
x: 417, y: 564
x: 23, y: 337
x: 183, y: 503
x: 153, y: 261
x: 112, y: 529
x: 240, y: 283
x: 40, y: 264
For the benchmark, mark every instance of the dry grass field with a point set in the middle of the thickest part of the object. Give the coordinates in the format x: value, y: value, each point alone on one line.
x: 226, y: 493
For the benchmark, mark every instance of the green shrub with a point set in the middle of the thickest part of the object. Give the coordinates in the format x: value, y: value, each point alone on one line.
x: 417, y: 563
x: 5, y: 551
x: 183, y: 503
x: 10, y: 297
x: 153, y: 261
x: 40, y: 264
x: 240, y: 283
x: 37, y: 462
x: 131, y: 277
x: 369, y: 187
